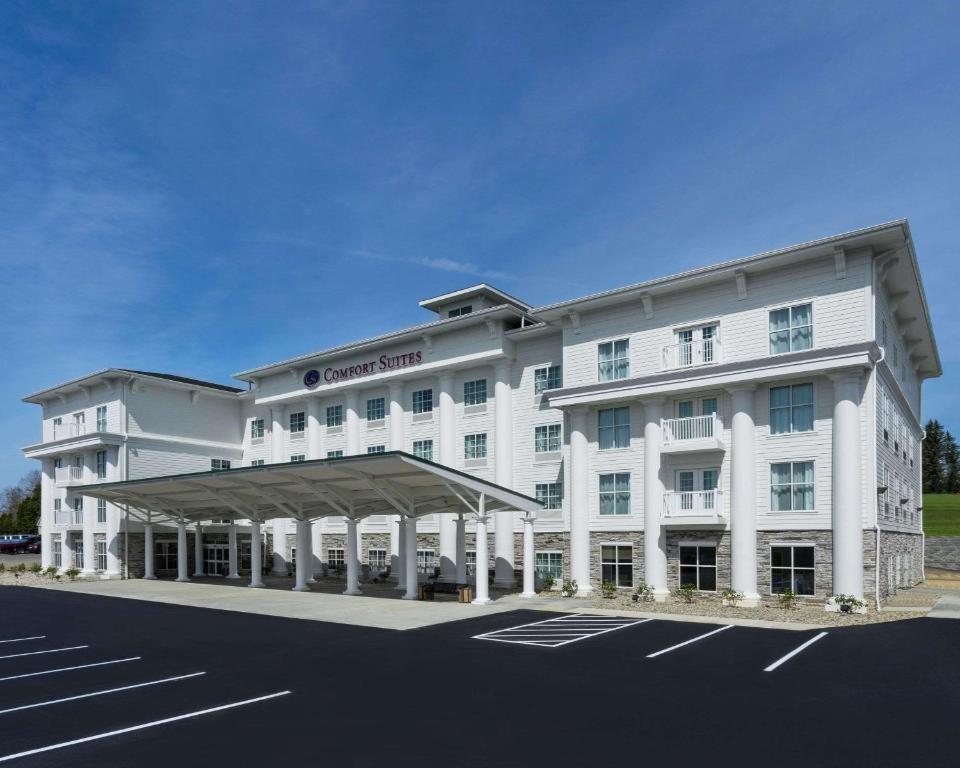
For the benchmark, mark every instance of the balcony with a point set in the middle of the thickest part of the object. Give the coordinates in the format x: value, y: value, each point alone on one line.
x: 693, y: 508
x: 68, y: 517
x: 691, y: 354
x: 68, y: 476
x: 692, y: 433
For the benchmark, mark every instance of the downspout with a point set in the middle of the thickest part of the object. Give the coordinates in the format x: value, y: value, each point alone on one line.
x: 923, y: 535
x: 126, y: 476
x: 876, y: 498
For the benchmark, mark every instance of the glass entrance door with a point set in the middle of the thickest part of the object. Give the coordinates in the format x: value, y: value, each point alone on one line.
x: 216, y: 559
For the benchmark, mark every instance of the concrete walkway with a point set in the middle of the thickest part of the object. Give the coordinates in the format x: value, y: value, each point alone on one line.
x: 947, y: 607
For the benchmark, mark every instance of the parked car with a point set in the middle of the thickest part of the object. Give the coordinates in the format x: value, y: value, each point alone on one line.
x: 15, y: 545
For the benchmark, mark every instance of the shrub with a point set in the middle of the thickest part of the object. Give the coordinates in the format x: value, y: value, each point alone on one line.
x: 685, y: 593
x: 608, y: 589
x: 72, y: 573
x: 35, y: 568
x: 731, y: 596
x: 644, y: 592
x: 848, y: 600
x: 3, y: 567
x: 788, y: 599
x: 51, y: 571
x: 21, y: 568
x: 569, y: 588
x: 548, y: 582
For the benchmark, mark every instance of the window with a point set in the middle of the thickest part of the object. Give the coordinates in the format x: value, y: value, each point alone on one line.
x: 165, y: 555
x: 58, y: 428
x: 218, y: 464
x: 101, y: 465
x: 615, y: 494
x: 256, y: 429
x: 101, y: 511
x: 550, y: 495
x: 423, y: 401
x: 696, y: 346
x: 546, y: 439
x: 792, y: 568
x: 256, y: 463
x: 57, y: 545
x: 297, y: 458
x: 698, y: 567
x: 423, y: 449
x: 475, y: 446
x: 471, y: 560
x: 377, y: 560
x: 616, y: 564
x: 791, y: 486
x: 334, y: 415
x: 376, y: 449
x: 791, y: 329
x: 101, y: 418
x: 613, y: 428
x: 100, y: 552
x: 79, y: 421
x: 475, y: 392
x: 426, y: 561
x: 78, y: 552
x: 791, y: 409
x: 548, y: 565
x: 547, y: 378
x: 460, y: 311
x: 334, y: 454
x: 298, y: 423
x: 335, y: 558
x: 57, y: 509
x: 376, y: 409
x: 613, y: 360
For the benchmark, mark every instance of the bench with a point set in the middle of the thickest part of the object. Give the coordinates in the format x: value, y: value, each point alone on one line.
x: 445, y: 587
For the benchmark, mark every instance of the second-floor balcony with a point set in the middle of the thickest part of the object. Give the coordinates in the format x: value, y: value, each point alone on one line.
x: 690, y: 354
x: 67, y: 516
x: 693, y: 507
x: 68, y: 475
x: 692, y: 433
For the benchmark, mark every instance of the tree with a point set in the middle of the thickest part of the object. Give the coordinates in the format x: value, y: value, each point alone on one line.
x: 20, y: 505
x: 933, y: 457
x: 951, y: 461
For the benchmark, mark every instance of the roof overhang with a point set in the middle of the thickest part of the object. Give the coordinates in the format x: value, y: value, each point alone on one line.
x: 112, y: 378
x: 352, y: 486
x: 482, y: 289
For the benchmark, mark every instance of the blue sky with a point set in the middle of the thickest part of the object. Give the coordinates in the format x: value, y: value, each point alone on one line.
x: 204, y: 187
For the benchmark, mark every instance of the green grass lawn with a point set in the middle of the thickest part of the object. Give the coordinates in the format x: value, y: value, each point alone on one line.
x: 941, y: 514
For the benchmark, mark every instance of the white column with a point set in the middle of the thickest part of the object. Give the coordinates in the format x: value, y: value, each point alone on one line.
x: 256, y: 555
x: 279, y: 525
x: 461, y: 526
x: 314, y: 434
x: 149, y: 572
x: 113, y: 518
x: 182, y: 571
x: 353, y: 560
x: 316, y: 547
x: 503, y: 464
x: 410, y: 558
x: 396, y: 549
x: 276, y: 434
x: 351, y: 420
x: 847, y: 479
x: 397, y: 443
x: 232, y: 558
x: 402, y: 554
x: 46, y: 516
x: 89, y: 518
x: 579, y: 501
x: 66, y: 549
x: 529, y: 581
x: 303, y: 557
x: 654, y: 537
x: 448, y: 457
x: 197, y: 550
x: 482, y: 596
x: 743, y: 497
x: 307, y: 552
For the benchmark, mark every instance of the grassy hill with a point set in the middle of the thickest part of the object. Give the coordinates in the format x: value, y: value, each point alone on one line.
x: 941, y: 514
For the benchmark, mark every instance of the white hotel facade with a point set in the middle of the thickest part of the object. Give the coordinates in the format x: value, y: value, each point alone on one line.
x: 753, y: 424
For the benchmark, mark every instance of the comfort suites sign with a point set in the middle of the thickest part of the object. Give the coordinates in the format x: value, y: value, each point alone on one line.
x: 377, y: 365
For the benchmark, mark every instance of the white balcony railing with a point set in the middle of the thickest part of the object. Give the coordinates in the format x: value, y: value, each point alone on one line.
x: 681, y: 504
x: 68, y: 516
x: 68, y: 475
x: 691, y: 353
x: 691, y: 428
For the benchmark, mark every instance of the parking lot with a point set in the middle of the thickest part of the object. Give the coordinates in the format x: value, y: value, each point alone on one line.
x: 88, y: 680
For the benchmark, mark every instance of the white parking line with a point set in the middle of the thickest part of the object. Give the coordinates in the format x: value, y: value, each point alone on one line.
x: 687, y: 642
x: 21, y: 639
x: 794, y: 652
x: 561, y: 630
x: 140, y: 727
x: 100, y: 693
x: 38, y: 653
x: 69, y: 669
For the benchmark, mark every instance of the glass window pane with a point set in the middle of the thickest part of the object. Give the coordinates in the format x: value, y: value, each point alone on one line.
x: 779, y: 421
x: 803, y: 557
x: 803, y: 472
x: 688, y: 555
x: 688, y: 576
x: 625, y: 576
x: 802, y: 338
x: 708, y: 555
x: 779, y: 320
x: 803, y: 582
x: 779, y: 580
x: 779, y: 397
x: 779, y: 474
x: 708, y: 579
x: 606, y: 483
x: 802, y: 394
x: 780, y: 557
x: 685, y: 409
x: 802, y: 314
x: 803, y: 418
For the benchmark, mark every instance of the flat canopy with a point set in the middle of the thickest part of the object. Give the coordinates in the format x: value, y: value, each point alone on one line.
x: 352, y: 486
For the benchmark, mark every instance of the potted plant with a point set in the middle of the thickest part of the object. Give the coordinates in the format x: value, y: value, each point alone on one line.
x: 731, y: 598
x: 642, y: 592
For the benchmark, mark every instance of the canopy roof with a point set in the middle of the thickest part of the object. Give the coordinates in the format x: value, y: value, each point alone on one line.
x: 353, y: 486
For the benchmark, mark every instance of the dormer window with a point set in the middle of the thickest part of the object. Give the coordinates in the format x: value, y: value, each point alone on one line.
x: 459, y: 311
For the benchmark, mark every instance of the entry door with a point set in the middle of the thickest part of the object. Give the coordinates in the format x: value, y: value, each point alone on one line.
x: 78, y: 552
x: 216, y: 559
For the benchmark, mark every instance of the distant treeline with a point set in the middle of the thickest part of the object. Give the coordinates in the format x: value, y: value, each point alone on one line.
x: 941, y: 460
x: 20, y: 505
